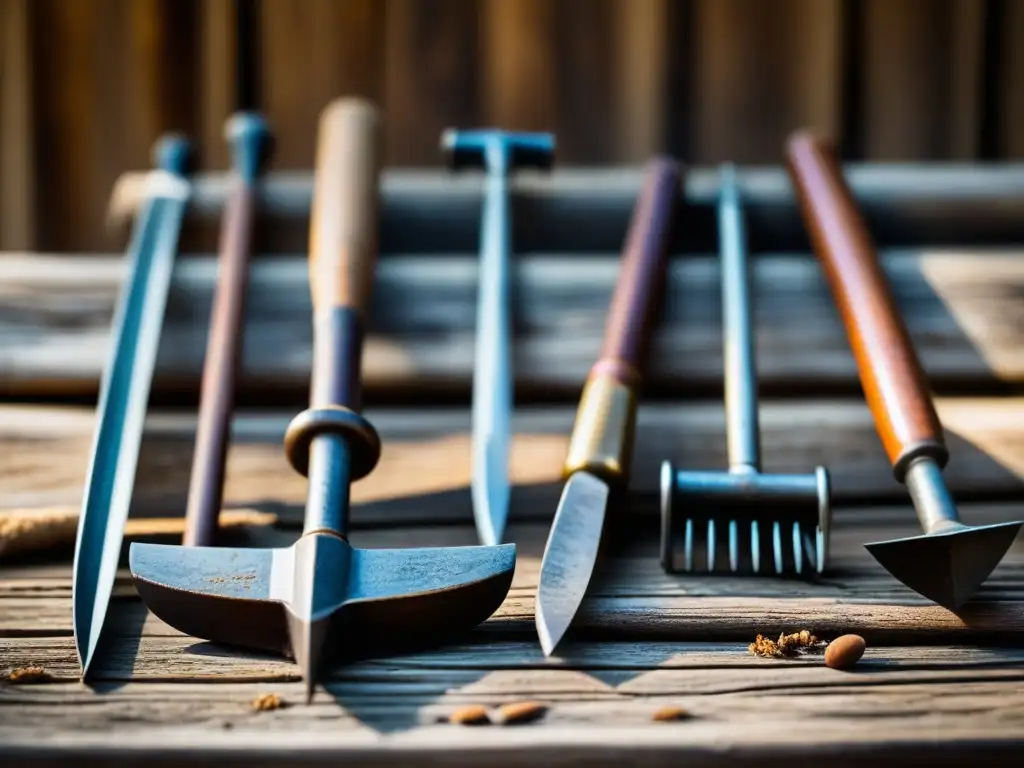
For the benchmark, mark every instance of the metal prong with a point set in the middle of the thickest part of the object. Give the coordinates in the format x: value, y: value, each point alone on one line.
x: 819, y: 539
x: 688, y: 549
x: 734, y: 547
x: 755, y: 546
x: 712, y: 545
x: 777, y: 546
x: 798, y: 549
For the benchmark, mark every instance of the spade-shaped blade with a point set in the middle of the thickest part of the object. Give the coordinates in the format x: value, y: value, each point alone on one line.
x: 947, y: 567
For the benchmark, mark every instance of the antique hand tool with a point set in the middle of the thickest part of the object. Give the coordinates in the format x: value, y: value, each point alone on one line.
x: 796, y: 506
x: 321, y: 593
x: 600, y: 451
x: 950, y: 560
x: 251, y: 142
x: 124, y: 392
x: 499, y: 153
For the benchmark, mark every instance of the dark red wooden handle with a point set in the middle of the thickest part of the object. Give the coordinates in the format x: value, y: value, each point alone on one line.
x: 642, y: 274
x: 890, y: 372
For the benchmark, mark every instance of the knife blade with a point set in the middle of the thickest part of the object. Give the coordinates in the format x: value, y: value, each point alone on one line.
x: 600, y: 450
x: 124, y: 392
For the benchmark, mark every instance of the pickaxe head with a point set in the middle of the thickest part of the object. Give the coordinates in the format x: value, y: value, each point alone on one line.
x: 497, y: 151
x: 948, y: 565
x: 321, y: 593
x: 747, y: 513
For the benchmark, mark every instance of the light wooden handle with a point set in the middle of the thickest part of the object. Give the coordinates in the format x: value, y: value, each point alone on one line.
x: 343, y: 223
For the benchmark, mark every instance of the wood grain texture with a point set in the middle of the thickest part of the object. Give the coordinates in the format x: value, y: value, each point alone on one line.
x: 18, y: 182
x: 1010, y: 88
x: 961, y: 307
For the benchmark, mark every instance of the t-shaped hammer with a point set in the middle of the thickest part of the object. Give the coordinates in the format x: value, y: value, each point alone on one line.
x: 322, y: 593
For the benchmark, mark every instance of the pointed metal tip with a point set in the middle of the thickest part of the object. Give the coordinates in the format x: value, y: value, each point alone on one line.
x: 307, y: 640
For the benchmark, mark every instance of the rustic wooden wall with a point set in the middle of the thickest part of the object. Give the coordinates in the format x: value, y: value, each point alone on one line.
x: 86, y: 86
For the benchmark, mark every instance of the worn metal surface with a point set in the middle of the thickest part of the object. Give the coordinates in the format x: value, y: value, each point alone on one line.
x: 500, y: 153
x: 124, y: 391
x: 951, y: 560
x: 601, y: 447
x: 794, y: 510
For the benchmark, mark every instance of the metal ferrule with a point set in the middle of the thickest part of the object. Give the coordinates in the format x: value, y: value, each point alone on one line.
x: 602, y: 438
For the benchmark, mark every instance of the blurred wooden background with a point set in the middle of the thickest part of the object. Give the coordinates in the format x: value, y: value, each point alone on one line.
x: 87, y: 85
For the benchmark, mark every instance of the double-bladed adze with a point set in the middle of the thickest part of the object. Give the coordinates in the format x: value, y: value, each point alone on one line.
x: 321, y: 594
x: 950, y: 560
x: 251, y: 143
x: 600, y: 450
x: 124, y: 392
x: 500, y: 153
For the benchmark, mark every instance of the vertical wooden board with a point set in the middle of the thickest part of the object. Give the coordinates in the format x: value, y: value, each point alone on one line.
x: 548, y: 67
x: 17, y: 129
x: 123, y: 77
x: 1011, y: 82
x: 921, y: 81
x: 313, y: 51
x: 642, y: 42
x: 762, y: 69
x: 431, y: 76
x: 217, y: 78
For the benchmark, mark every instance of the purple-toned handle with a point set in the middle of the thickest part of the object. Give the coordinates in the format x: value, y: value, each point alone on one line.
x: 642, y: 276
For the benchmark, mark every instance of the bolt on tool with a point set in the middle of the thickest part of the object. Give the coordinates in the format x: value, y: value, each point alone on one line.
x: 796, y: 508
x: 950, y: 560
x: 321, y: 594
x: 499, y: 153
x: 124, y: 392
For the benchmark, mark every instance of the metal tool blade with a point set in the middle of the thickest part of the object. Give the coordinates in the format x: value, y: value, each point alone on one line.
x: 492, y: 378
x: 569, y: 556
x: 121, y: 410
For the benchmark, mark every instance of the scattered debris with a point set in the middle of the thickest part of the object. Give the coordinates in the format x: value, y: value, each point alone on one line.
x: 671, y: 713
x: 519, y: 712
x: 25, y: 675
x: 787, y: 645
x: 844, y: 651
x: 266, y: 702
x: 472, y: 714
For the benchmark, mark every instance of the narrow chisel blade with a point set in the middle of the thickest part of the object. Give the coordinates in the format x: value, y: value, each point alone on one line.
x: 569, y: 556
x: 124, y: 392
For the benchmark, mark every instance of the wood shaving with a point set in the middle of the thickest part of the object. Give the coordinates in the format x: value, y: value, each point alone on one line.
x: 472, y: 714
x: 24, y: 675
x: 790, y: 645
x: 519, y: 712
x: 267, y: 701
x: 669, y: 714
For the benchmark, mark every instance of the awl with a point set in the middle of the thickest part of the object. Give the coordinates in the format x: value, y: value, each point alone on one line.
x: 124, y: 393
x: 600, y: 450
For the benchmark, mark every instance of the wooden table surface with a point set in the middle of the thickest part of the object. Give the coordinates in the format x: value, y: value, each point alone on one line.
x: 933, y: 687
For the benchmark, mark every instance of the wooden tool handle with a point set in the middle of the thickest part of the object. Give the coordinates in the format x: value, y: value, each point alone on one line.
x: 890, y: 372
x: 602, y: 436
x: 343, y: 226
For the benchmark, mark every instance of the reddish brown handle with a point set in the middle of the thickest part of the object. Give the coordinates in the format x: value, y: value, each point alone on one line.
x: 890, y: 372
x: 642, y: 275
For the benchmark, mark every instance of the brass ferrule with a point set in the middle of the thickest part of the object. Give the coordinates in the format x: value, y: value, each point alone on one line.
x: 602, y: 437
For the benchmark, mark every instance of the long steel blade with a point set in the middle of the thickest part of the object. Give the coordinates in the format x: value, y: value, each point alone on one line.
x: 492, y: 377
x: 569, y: 556
x: 124, y: 392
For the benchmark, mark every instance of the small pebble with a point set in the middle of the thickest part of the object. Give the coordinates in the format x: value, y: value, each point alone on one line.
x: 844, y: 651
x: 29, y: 675
x: 520, y: 712
x: 668, y: 714
x: 472, y: 714
x: 267, y: 702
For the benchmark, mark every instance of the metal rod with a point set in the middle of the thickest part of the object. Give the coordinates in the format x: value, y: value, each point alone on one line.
x: 933, y: 502
x: 327, y: 500
x: 742, y: 429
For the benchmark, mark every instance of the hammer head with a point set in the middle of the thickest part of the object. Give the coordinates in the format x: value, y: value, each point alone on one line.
x: 747, y: 517
x: 497, y: 151
x: 949, y: 565
x: 363, y: 599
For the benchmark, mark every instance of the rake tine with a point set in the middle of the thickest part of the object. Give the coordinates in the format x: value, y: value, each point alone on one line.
x: 712, y: 544
x: 798, y: 549
x: 734, y: 548
x: 688, y: 552
x: 755, y: 546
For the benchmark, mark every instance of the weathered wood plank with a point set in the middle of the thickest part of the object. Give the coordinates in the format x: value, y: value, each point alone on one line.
x: 586, y: 210
x: 426, y: 457
x: 962, y: 307
x: 18, y: 181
